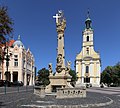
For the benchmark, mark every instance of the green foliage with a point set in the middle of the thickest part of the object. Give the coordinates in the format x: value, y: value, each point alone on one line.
x: 111, y: 75
x: 43, y: 76
x: 73, y: 74
x: 5, y: 23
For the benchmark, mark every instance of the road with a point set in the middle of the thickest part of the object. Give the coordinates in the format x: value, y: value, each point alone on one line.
x: 96, y: 97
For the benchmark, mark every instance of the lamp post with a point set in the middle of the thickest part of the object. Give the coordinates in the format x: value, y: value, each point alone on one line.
x: 7, y: 58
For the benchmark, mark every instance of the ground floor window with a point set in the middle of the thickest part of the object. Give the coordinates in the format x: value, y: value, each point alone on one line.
x: 87, y: 80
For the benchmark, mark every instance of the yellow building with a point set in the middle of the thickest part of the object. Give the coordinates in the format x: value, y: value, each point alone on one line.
x: 88, y: 63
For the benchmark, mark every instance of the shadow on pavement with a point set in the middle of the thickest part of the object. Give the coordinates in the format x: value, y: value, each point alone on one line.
x: 1, y: 104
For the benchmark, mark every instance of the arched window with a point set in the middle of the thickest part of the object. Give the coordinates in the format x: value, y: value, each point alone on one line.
x: 87, y: 69
x: 87, y: 38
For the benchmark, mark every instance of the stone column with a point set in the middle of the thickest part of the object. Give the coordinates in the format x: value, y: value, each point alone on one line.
x: 25, y: 80
x: 83, y: 73
x: 91, y: 72
x: 31, y: 79
x: 60, y: 27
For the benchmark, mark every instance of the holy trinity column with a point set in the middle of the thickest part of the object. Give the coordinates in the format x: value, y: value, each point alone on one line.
x: 60, y: 28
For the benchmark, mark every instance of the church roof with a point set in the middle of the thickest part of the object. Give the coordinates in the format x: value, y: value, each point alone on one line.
x: 18, y: 42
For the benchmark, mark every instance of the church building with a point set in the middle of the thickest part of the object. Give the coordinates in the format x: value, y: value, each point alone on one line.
x: 88, y: 62
x: 21, y: 65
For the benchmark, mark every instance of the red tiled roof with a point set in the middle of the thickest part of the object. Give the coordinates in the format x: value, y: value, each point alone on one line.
x: 11, y: 42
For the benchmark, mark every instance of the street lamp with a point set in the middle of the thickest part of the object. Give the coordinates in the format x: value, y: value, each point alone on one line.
x: 7, y: 58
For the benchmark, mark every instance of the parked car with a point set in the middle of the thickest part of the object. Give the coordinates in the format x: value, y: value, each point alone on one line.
x: 88, y: 85
x: 1, y: 83
x: 17, y: 83
x: 5, y: 83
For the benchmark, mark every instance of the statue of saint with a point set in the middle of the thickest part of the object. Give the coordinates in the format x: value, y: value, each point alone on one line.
x: 59, y: 60
x: 60, y: 21
x: 59, y: 63
x: 50, y: 67
x: 68, y: 66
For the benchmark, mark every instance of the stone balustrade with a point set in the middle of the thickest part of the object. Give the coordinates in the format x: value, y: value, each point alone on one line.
x: 71, y: 92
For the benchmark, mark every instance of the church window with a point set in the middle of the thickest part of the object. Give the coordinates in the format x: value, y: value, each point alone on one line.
x: 87, y: 38
x: 87, y: 51
x: 87, y: 69
x: 87, y: 80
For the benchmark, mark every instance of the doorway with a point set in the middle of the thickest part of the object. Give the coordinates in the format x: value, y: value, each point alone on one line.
x: 15, y: 76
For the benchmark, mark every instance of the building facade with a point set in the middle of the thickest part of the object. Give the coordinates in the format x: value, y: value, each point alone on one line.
x: 1, y: 62
x: 88, y: 62
x: 21, y: 64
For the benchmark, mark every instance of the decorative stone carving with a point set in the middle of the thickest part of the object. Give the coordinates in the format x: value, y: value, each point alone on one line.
x: 68, y: 66
x: 61, y: 24
x: 59, y: 60
x: 59, y: 63
x: 50, y: 67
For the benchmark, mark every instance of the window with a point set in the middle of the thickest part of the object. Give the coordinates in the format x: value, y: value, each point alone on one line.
x: 87, y: 38
x: 87, y: 80
x: 24, y: 63
x: 16, y: 56
x: 15, y: 60
x: 87, y: 51
x: 87, y: 69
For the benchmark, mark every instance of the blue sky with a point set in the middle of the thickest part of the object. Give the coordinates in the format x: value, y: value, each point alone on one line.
x: 33, y: 21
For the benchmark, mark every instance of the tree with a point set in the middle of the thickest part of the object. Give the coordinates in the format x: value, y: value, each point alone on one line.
x: 43, y: 76
x: 5, y: 23
x: 106, y: 78
x: 111, y: 75
x: 5, y: 27
x: 74, y: 77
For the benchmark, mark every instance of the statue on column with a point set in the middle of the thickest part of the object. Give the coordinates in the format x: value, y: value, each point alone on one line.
x: 60, y: 27
x: 68, y: 66
x: 50, y: 68
x: 61, y: 24
x: 59, y: 63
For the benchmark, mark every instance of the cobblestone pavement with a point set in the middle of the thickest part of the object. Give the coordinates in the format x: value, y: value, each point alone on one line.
x: 95, y: 98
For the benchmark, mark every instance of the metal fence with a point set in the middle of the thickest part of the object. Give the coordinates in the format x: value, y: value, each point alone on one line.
x: 17, y: 89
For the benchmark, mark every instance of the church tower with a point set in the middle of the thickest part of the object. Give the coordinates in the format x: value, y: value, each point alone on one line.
x: 88, y: 63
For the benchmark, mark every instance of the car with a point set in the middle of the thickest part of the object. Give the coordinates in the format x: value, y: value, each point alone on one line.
x: 1, y: 83
x: 17, y: 83
x: 5, y: 83
x: 88, y: 85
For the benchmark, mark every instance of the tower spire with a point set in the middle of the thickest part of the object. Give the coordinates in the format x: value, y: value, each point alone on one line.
x: 88, y: 13
x: 18, y: 37
x: 88, y: 20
